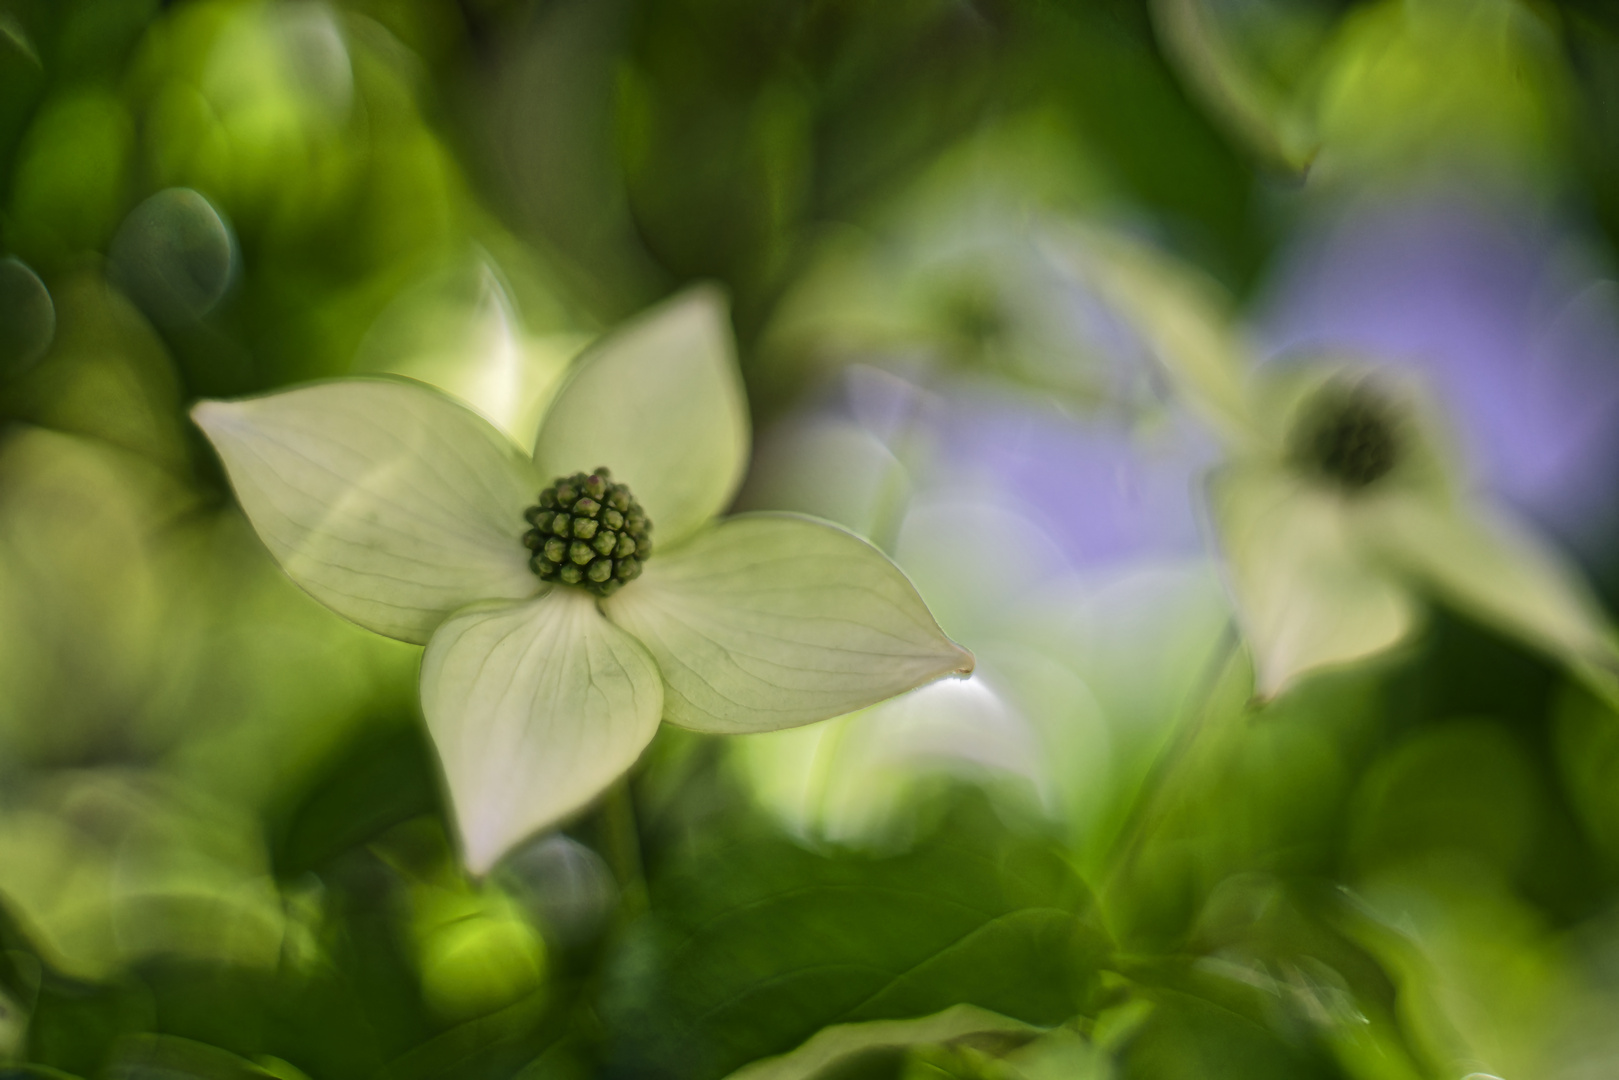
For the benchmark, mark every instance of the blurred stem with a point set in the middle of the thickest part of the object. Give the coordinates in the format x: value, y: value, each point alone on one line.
x: 622, y: 842
x: 1176, y: 760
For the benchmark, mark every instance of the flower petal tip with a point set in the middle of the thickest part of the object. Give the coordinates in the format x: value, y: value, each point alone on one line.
x: 966, y: 663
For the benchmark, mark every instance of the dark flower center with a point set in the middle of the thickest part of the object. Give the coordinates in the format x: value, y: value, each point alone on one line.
x: 1351, y: 434
x: 588, y: 531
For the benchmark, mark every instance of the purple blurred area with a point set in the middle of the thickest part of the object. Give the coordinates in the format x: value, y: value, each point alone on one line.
x: 1502, y: 310
x: 1107, y: 490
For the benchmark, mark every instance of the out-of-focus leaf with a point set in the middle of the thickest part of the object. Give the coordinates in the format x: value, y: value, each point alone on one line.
x: 106, y: 374
x: 67, y: 184
x: 507, y: 1043
x: 168, y: 1057
x: 387, y: 501
x: 756, y: 944
x: 1316, y: 983
x: 535, y: 709
x: 1402, y: 88
x: 834, y: 1049
x: 1254, y: 111
x: 770, y: 621
x: 1191, y: 1038
x: 27, y: 317
x: 385, y: 776
x: 660, y: 403
x: 74, y: 1025
x: 107, y: 867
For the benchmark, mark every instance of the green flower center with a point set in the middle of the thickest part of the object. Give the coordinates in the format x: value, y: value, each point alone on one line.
x: 1351, y: 434
x: 588, y: 531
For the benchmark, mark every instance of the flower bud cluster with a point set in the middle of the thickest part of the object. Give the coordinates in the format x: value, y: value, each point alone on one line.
x: 1351, y: 434
x: 588, y: 531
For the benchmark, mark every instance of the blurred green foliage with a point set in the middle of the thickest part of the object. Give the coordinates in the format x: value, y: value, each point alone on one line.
x: 223, y: 849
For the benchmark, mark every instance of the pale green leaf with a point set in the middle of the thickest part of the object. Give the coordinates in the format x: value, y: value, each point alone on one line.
x: 1491, y: 567
x: 834, y: 1048
x: 1307, y: 596
x: 1233, y: 88
x: 387, y: 501
x: 769, y: 621
x: 660, y: 403
x: 535, y: 708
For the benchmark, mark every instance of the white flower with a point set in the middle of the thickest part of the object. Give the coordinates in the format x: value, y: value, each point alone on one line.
x: 404, y: 511
x: 1344, y: 511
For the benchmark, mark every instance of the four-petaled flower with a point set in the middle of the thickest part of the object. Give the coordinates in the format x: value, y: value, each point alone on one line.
x: 1345, y: 506
x: 403, y: 510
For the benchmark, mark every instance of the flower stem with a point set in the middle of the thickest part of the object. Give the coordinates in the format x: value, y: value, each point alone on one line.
x: 1179, y: 755
x: 622, y: 844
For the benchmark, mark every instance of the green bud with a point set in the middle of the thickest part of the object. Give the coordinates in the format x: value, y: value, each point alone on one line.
x: 590, y: 531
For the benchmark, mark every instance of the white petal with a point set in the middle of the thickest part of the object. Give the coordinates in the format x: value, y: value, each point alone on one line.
x: 1493, y: 568
x: 660, y: 403
x: 1307, y: 596
x: 535, y: 708
x: 387, y: 501
x: 769, y: 621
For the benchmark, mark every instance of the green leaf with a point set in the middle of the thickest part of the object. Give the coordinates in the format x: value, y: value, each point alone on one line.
x: 535, y: 709
x: 386, y: 774
x: 756, y: 944
x: 167, y: 1057
x: 834, y: 1048
x: 27, y: 316
x: 1233, y: 88
x: 660, y: 403
x: 1492, y: 568
x: 770, y: 621
x: 1307, y: 596
x: 1189, y: 1038
x: 387, y: 501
